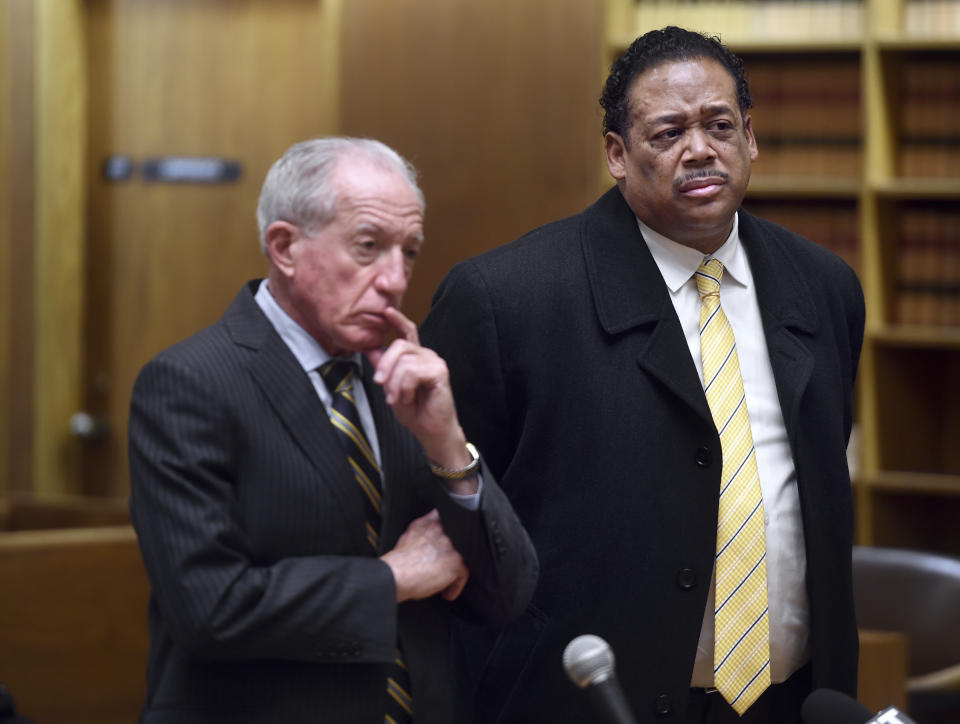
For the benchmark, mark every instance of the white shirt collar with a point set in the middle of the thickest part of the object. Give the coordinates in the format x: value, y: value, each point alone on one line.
x: 677, y: 262
x: 309, y: 353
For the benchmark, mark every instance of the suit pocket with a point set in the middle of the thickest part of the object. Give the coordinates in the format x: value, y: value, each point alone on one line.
x: 508, y: 659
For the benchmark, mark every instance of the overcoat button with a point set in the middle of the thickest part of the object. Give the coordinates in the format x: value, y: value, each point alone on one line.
x: 663, y: 705
x: 686, y: 578
x: 704, y: 457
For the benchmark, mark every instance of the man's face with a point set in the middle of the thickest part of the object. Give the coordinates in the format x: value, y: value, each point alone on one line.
x: 342, y: 278
x: 688, y: 163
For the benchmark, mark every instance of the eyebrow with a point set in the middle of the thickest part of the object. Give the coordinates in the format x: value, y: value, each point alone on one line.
x: 366, y: 227
x: 710, y: 109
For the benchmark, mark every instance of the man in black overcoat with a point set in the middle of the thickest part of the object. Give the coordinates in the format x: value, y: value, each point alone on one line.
x: 575, y: 357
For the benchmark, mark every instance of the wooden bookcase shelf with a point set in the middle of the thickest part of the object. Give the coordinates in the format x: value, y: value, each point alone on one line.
x: 876, y: 81
x: 803, y: 187
x: 913, y: 336
x: 894, y: 481
x: 944, y: 189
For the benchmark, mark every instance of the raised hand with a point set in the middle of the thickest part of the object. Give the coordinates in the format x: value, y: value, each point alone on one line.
x: 416, y: 383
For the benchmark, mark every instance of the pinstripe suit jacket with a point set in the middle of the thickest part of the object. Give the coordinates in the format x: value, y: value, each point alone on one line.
x: 267, y: 604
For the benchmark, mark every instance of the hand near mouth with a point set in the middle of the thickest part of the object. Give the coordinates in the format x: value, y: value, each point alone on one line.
x: 416, y: 383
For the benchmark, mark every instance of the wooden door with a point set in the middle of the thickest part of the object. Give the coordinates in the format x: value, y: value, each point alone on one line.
x: 237, y: 80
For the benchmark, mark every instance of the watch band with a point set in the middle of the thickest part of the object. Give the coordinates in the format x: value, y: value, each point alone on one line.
x: 458, y: 473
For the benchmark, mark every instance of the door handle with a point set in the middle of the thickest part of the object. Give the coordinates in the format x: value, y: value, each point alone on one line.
x: 85, y: 426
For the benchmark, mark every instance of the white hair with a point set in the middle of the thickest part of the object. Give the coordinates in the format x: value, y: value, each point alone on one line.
x: 298, y: 188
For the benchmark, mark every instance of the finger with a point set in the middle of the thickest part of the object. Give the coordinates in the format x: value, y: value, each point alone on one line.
x: 387, y: 359
x: 418, y: 528
x: 405, y: 327
x: 375, y: 355
x: 407, y: 369
x: 409, y: 375
x: 453, y: 591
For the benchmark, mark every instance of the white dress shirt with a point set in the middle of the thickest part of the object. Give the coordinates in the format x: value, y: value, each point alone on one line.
x: 311, y: 355
x: 786, y: 556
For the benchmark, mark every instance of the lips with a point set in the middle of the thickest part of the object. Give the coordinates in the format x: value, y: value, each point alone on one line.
x: 702, y: 186
x: 376, y: 319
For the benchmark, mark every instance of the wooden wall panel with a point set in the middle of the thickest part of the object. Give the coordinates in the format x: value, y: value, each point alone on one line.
x: 16, y: 242
x: 494, y: 102
x: 6, y: 302
x: 59, y: 242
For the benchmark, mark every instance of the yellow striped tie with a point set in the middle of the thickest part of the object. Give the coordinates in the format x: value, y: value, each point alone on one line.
x: 741, y: 656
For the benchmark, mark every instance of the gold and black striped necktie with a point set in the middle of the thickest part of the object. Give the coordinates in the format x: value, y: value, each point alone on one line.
x: 340, y: 377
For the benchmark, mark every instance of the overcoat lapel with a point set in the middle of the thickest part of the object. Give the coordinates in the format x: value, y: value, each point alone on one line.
x: 789, y: 314
x: 630, y: 295
x: 295, y: 402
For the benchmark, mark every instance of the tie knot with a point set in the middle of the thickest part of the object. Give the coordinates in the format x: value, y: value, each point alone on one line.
x: 708, y: 277
x: 338, y: 375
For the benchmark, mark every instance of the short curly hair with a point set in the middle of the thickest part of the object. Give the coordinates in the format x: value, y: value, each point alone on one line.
x: 655, y: 48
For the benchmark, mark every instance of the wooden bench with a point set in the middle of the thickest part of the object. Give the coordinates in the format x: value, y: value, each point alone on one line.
x: 73, y: 624
x: 21, y: 511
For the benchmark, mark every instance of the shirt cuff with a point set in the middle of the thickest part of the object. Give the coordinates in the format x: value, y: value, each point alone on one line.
x: 470, y: 502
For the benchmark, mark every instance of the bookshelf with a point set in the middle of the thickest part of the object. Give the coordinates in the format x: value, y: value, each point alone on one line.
x: 857, y: 115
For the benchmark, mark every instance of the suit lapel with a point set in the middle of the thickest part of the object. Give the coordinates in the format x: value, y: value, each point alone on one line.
x: 629, y: 294
x: 788, y: 312
x: 294, y: 401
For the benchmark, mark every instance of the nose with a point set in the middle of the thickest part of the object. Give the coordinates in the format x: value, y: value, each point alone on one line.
x: 699, y: 147
x: 392, y: 275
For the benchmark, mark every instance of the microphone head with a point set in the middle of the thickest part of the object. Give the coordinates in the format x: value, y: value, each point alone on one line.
x: 826, y: 706
x: 588, y: 660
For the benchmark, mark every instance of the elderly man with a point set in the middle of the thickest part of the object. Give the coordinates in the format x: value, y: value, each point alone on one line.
x: 309, y: 510
x: 663, y: 384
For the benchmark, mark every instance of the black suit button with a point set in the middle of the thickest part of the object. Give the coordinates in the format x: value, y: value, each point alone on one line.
x: 663, y: 705
x: 686, y: 578
x: 704, y: 457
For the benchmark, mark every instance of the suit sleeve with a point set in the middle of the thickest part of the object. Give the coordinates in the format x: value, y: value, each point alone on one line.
x: 497, y: 551
x: 220, y: 598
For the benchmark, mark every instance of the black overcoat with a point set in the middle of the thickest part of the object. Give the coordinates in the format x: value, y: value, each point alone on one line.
x: 570, y: 364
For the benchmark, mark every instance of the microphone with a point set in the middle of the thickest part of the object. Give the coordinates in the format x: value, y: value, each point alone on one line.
x: 589, y: 662
x: 826, y: 706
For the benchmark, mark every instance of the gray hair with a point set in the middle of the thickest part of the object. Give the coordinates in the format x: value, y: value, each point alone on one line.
x: 298, y: 188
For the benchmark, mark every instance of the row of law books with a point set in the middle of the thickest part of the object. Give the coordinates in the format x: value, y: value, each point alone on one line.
x: 928, y: 265
x: 832, y: 224
x: 929, y: 118
x: 752, y: 20
x: 806, y: 115
x: 932, y: 18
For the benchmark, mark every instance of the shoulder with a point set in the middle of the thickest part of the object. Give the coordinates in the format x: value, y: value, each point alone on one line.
x: 813, y: 259
x: 544, y: 257
x: 828, y: 278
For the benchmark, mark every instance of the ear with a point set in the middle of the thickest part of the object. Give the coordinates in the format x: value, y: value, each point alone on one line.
x: 751, y: 139
x: 279, y: 237
x: 616, y: 151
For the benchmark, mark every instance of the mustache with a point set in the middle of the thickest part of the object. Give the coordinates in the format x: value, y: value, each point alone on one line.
x: 703, y: 173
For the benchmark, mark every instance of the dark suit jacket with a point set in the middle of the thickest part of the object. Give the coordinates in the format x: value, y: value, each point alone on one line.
x: 568, y: 360
x: 267, y: 602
